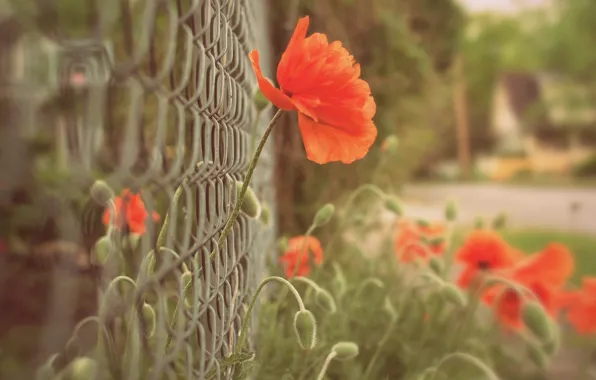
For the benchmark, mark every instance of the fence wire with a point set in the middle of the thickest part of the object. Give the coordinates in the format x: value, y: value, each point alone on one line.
x: 150, y: 96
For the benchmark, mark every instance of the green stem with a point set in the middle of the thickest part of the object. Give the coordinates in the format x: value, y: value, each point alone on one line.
x: 377, y: 353
x: 254, y: 300
x: 361, y: 189
x: 255, y: 126
x: 249, y: 173
x: 161, y: 238
x: 325, y: 365
x: 470, y: 360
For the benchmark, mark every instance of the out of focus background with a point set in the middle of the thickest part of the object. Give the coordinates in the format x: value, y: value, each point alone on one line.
x: 492, y: 101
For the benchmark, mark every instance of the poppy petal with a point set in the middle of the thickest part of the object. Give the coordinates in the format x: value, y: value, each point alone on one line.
x: 292, y: 52
x: 325, y: 143
x: 276, y: 96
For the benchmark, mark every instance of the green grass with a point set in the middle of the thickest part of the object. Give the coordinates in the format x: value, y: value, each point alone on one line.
x: 582, y: 245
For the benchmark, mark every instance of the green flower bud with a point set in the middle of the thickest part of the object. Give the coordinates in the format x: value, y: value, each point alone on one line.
x: 552, y: 347
x: 500, y: 221
x: 423, y: 223
x: 305, y: 328
x: 102, y: 250
x: 452, y: 294
x: 149, y: 317
x: 261, y: 102
x: 282, y: 243
x: 451, y: 211
x: 251, y: 205
x: 437, y: 265
x: 390, y: 144
x: 101, y: 193
x: 479, y: 223
x: 325, y: 300
x: 537, y: 321
x: 340, y: 284
x: 82, y: 368
x: 345, y: 350
x: 324, y: 215
x: 393, y: 205
x: 265, y: 217
x: 537, y: 356
x: 435, y: 241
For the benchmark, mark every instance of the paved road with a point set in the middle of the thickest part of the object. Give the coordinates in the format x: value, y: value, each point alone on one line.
x: 525, y: 206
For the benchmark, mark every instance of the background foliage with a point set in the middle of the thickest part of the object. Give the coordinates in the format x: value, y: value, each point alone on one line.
x: 406, y: 49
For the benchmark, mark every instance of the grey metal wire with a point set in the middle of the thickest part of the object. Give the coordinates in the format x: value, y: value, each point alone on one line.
x: 137, y: 93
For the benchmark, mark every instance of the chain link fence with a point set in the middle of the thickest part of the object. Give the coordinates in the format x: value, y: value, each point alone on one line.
x: 150, y: 96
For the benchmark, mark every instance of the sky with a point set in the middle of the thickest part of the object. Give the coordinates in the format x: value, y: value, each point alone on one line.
x: 502, y: 6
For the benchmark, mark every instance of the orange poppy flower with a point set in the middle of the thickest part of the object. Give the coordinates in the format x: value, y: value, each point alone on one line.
x: 409, y: 240
x: 322, y: 82
x: 130, y: 212
x: 483, y: 251
x: 582, y: 308
x: 293, y: 256
x: 544, y: 274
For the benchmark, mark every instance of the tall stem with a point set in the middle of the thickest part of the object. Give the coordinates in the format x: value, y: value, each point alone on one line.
x: 249, y: 173
x: 254, y: 300
x: 325, y: 365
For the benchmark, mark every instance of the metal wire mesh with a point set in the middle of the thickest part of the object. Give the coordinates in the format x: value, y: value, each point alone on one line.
x: 136, y: 92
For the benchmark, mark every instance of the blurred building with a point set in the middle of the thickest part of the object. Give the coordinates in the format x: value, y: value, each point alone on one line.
x: 542, y: 123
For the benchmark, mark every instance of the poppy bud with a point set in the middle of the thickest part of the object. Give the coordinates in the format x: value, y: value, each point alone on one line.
x: 393, y: 205
x: 261, y: 102
x: 101, y: 193
x: 265, y: 217
x: 282, y: 243
x: 149, y: 317
x: 345, y: 350
x: 390, y: 144
x: 305, y: 328
x: 552, y: 347
x: 435, y: 241
x: 452, y: 294
x: 102, y: 250
x: 479, y: 223
x: 251, y: 205
x: 451, y: 211
x: 82, y: 368
x: 536, y: 320
x: 423, y: 223
x: 500, y: 221
x: 325, y: 300
x: 436, y: 265
x: 537, y: 356
x: 324, y: 215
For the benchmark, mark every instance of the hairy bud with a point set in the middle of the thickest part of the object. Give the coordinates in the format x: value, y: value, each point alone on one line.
x: 324, y: 215
x: 436, y: 265
x: 305, y: 328
x: 251, y: 205
x: 265, y: 217
x: 536, y: 320
x: 452, y: 294
x: 101, y: 193
x: 325, y: 300
x: 82, y: 368
x: 102, y: 250
x: 393, y: 205
x: 537, y: 356
x: 451, y: 211
x: 345, y: 350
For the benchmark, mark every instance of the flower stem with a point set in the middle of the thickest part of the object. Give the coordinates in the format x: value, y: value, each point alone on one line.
x: 361, y: 189
x: 249, y: 173
x: 325, y: 365
x: 469, y: 359
x: 381, y: 345
x: 254, y: 300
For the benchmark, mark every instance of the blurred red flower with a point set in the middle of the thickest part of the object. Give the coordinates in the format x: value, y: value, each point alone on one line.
x: 483, y: 251
x: 544, y: 273
x: 293, y: 256
x: 581, y: 306
x: 322, y: 82
x: 414, y: 240
x: 130, y: 211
